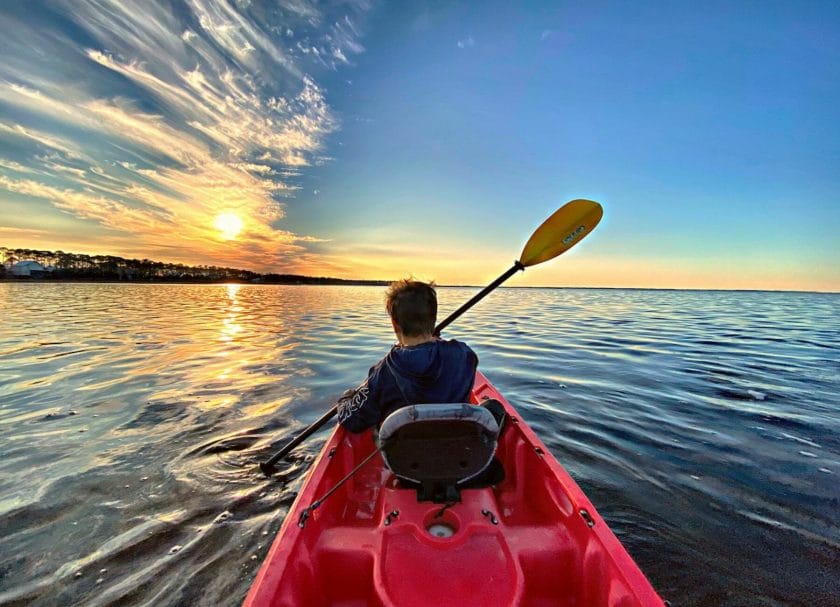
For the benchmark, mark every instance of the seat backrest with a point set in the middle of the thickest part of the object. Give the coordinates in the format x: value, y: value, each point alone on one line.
x: 438, y: 446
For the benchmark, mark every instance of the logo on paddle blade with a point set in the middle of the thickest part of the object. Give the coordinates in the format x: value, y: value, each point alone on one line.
x: 574, y: 235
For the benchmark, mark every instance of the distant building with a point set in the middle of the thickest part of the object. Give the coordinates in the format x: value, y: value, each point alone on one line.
x: 28, y: 268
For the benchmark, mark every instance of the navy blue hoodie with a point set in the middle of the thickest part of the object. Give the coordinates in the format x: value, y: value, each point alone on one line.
x: 439, y: 371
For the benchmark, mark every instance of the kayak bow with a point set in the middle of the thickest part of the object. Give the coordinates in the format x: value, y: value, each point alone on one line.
x: 532, y: 539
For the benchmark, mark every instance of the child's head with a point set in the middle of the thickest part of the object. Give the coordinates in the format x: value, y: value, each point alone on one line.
x: 412, y: 306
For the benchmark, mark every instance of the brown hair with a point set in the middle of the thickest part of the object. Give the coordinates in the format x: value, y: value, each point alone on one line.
x: 412, y: 305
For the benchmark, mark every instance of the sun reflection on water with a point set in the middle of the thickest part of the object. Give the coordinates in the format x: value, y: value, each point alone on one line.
x: 232, y: 290
x: 231, y: 328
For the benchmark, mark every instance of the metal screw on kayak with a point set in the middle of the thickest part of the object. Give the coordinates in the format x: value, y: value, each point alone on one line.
x: 587, y: 517
x: 490, y: 516
x: 391, y: 515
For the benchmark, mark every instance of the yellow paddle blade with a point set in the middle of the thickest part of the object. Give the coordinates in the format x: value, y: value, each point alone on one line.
x: 560, y: 232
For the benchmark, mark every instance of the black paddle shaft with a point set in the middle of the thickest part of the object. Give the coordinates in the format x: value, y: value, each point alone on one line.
x: 268, y: 466
x: 479, y: 296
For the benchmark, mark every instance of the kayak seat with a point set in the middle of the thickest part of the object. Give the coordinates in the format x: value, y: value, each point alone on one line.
x: 440, y: 448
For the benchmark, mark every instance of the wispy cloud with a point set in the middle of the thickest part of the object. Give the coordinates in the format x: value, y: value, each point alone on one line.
x: 149, y: 120
x: 16, y: 167
x: 44, y: 140
x: 466, y: 42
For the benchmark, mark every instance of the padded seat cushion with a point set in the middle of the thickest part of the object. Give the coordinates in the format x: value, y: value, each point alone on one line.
x: 439, y: 444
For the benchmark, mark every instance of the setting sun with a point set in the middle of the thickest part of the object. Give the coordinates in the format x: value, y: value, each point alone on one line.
x: 229, y: 225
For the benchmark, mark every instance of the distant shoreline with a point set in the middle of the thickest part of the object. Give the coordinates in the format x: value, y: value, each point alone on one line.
x: 338, y: 282
x: 304, y: 280
x: 63, y: 267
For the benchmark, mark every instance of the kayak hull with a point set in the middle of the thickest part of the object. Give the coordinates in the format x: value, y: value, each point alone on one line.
x: 532, y: 539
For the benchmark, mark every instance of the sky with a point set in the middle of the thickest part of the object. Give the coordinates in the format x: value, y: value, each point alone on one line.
x: 363, y: 139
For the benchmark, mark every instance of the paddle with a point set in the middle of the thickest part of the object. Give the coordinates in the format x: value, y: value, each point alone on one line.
x: 557, y: 234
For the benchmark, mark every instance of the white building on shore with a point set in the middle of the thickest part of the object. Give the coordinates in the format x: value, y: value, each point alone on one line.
x: 28, y: 268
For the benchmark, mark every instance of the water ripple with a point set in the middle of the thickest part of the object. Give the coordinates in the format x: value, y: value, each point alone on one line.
x: 703, y: 425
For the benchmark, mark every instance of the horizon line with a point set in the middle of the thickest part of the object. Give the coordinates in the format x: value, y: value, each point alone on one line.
x: 377, y: 280
x: 363, y: 280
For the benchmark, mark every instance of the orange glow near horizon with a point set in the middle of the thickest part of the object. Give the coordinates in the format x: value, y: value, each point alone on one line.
x: 579, y: 268
x: 478, y: 265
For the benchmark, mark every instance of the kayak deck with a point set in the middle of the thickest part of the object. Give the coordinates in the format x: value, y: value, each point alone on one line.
x: 533, y: 539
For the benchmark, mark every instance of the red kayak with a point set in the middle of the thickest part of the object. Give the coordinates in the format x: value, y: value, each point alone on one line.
x: 515, y: 531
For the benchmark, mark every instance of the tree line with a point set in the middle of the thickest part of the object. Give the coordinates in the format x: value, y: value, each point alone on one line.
x: 60, y: 265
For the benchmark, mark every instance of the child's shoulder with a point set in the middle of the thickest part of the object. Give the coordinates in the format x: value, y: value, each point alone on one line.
x: 454, y: 343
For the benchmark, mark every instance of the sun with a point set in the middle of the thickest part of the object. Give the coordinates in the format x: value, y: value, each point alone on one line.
x: 229, y: 225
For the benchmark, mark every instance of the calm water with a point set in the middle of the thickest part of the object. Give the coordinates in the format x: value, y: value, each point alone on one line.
x: 703, y: 425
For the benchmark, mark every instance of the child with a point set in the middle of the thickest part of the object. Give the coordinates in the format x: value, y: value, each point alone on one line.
x: 421, y: 368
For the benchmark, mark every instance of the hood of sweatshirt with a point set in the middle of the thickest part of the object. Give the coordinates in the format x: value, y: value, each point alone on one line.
x: 437, y: 370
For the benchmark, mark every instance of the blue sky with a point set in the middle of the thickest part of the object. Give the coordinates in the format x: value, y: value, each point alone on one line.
x: 378, y: 140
